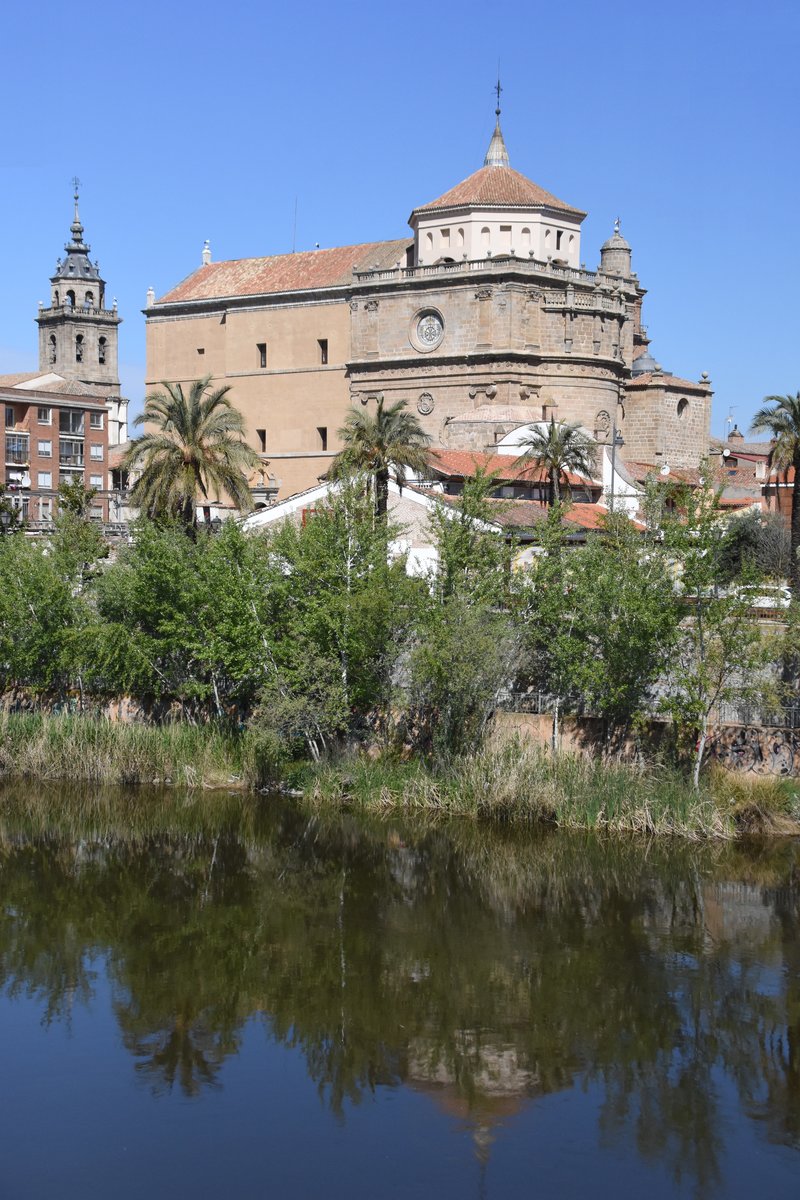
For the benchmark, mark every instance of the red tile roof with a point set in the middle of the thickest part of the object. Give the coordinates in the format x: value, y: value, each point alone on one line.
x: 497, y: 187
x: 526, y: 514
x: 661, y: 377
x: 465, y: 463
x: 304, y: 271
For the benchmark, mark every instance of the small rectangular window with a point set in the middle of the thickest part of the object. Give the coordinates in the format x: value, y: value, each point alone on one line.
x: 201, y: 349
x: 322, y: 432
x: 261, y: 347
x: 323, y: 350
x: 45, y: 509
x: 96, y: 512
x: 96, y: 420
x: 44, y: 416
x: 45, y: 479
x: 96, y: 481
x: 10, y: 418
x: 45, y: 449
x: 261, y: 434
x: 96, y: 452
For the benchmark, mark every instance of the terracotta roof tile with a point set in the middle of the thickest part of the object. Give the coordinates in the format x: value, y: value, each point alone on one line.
x: 497, y: 187
x: 19, y: 377
x: 527, y: 514
x: 465, y: 463
x: 304, y: 271
x: 650, y: 377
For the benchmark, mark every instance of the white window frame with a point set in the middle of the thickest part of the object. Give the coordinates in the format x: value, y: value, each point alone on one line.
x: 96, y: 452
x: 44, y: 479
x: 96, y: 420
x: 96, y: 481
x: 47, y: 420
x: 45, y: 449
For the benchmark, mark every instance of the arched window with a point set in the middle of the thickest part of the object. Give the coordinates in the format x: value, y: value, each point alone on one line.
x: 101, y: 350
x: 88, y: 300
x: 79, y: 348
x: 55, y: 298
x: 52, y: 347
x: 683, y: 407
x: 526, y: 238
x: 70, y: 298
x: 429, y: 242
x: 559, y: 236
x: 461, y: 237
x: 485, y: 237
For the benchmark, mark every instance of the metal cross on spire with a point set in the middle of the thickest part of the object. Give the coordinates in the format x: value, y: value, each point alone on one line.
x: 497, y: 88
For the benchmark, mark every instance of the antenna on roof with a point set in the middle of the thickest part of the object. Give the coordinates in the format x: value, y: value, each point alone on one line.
x: 294, y: 226
x: 729, y: 420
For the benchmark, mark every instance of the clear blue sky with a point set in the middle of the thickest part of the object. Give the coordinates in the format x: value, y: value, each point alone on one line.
x: 188, y: 121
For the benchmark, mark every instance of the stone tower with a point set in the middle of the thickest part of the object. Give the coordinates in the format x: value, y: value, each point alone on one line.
x: 78, y: 333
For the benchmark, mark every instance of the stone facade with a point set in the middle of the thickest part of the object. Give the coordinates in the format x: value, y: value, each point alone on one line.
x: 478, y: 334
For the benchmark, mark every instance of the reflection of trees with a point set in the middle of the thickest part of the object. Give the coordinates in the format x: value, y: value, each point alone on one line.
x: 480, y: 966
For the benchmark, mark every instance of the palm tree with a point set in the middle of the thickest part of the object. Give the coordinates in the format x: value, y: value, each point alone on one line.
x: 195, y: 447
x: 558, y: 449
x: 780, y: 416
x: 387, y: 443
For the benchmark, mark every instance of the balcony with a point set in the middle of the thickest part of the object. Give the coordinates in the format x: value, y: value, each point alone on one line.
x: 71, y: 461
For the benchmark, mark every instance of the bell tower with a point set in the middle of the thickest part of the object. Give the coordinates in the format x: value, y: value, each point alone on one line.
x: 78, y: 333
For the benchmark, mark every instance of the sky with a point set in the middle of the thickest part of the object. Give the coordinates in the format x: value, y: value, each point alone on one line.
x: 187, y: 121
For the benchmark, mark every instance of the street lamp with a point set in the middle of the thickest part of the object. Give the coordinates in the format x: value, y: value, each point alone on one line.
x: 616, y: 440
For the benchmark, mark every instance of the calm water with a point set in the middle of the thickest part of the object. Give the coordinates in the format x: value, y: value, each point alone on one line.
x: 236, y: 999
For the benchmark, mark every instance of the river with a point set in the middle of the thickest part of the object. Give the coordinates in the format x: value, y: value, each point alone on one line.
x: 218, y: 996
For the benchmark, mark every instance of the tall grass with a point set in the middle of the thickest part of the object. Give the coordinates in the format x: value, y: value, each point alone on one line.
x: 520, y: 783
x: 96, y: 750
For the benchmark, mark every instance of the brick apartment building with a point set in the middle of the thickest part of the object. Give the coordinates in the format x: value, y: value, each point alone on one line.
x: 50, y: 438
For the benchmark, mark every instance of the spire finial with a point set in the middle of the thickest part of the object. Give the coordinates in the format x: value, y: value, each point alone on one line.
x: 76, y: 228
x: 497, y: 155
x: 617, y: 224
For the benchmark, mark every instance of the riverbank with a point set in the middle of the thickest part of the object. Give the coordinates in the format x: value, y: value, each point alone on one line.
x: 519, y: 782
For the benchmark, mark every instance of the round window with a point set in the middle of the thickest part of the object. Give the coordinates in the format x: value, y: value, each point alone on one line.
x: 427, y: 330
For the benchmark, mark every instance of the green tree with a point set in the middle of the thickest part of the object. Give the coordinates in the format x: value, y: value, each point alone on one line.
x: 627, y: 620
x: 559, y: 448
x: 382, y: 445
x: 760, y: 541
x: 46, y: 606
x: 720, y: 655
x: 338, y: 616
x: 467, y: 645
x: 553, y: 648
x: 196, y: 447
x: 780, y: 417
x: 9, y: 515
x: 473, y: 557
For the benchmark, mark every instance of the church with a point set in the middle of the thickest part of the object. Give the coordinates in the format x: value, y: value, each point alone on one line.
x: 485, y: 321
x: 59, y: 421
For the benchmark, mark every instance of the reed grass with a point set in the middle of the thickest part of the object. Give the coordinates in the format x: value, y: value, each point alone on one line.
x: 521, y: 783
x: 517, y: 782
x: 96, y: 750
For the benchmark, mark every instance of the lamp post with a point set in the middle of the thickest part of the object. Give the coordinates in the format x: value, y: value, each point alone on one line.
x: 616, y: 440
x: 5, y: 520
